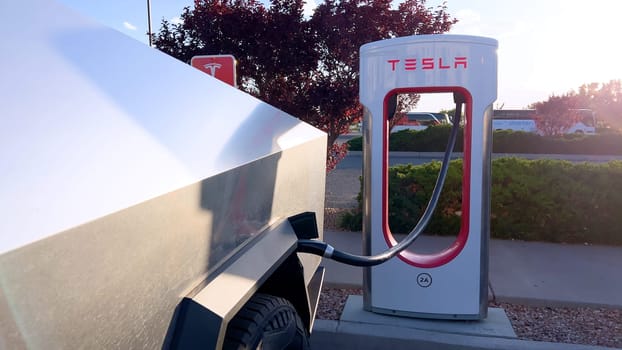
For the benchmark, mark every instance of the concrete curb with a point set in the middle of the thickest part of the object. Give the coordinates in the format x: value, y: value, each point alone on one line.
x: 342, y: 335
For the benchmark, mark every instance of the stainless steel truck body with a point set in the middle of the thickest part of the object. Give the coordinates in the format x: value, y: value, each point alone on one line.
x: 143, y: 202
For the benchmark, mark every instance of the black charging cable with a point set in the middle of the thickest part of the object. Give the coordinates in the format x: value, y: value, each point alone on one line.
x: 326, y: 250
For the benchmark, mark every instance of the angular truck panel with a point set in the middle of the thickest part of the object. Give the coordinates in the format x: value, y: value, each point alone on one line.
x: 130, y: 180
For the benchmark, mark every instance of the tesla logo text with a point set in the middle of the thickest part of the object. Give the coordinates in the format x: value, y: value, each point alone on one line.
x: 211, y: 68
x: 428, y: 63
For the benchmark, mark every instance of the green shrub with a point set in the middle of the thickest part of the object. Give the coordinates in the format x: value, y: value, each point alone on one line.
x: 355, y: 144
x: 556, y: 201
x: 408, y: 199
x: 431, y: 139
x: 543, y: 200
x: 522, y: 142
x: 434, y: 139
x: 352, y: 220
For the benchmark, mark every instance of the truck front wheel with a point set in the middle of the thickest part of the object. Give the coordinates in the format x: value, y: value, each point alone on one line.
x: 266, y: 322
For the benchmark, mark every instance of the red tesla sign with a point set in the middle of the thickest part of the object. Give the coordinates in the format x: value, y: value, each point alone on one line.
x: 221, y: 67
x: 428, y: 63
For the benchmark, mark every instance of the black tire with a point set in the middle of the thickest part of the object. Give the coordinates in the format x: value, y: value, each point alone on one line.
x: 266, y: 322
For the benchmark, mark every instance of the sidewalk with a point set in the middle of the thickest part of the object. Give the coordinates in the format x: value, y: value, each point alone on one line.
x: 533, y: 273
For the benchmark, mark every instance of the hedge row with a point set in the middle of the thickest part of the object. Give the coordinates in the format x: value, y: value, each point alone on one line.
x: 542, y: 200
x: 434, y: 139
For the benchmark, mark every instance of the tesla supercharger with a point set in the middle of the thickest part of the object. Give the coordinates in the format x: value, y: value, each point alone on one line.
x: 452, y: 283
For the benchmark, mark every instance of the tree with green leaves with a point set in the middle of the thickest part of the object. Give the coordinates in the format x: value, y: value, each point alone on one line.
x: 307, y: 67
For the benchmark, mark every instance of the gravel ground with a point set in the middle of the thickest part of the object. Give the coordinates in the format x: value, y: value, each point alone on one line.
x: 590, y: 326
x: 575, y: 325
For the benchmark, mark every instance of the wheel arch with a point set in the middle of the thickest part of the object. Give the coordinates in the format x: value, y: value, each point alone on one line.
x: 288, y: 282
x: 202, y: 317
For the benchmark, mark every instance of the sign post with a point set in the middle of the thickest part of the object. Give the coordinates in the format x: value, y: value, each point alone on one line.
x: 221, y: 67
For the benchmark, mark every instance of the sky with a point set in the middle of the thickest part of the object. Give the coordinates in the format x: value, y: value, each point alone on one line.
x: 545, y: 46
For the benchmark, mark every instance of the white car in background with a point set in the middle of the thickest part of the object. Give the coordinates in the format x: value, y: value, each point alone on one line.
x: 420, y: 121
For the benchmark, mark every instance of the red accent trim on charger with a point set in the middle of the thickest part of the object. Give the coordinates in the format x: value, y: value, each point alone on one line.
x: 448, y: 254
